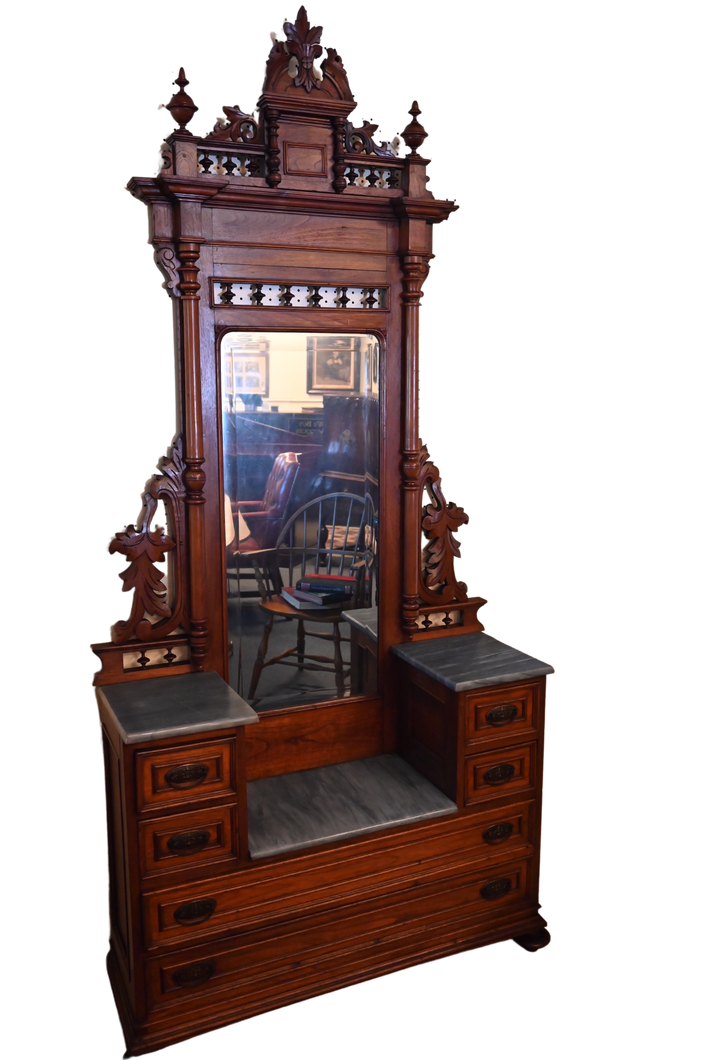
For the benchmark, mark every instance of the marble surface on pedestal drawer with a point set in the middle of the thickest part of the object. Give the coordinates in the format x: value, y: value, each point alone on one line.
x: 322, y: 805
x: 470, y: 660
x: 160, y: 707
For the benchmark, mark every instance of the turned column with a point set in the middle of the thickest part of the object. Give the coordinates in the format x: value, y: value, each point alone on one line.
x: 415, y: 270
x: 194, y: 477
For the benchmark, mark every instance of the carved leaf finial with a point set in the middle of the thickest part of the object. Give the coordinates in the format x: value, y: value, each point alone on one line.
x: 182, y: 107
x: 143, y: 548
x: 414, y: 133
x: 304, y: 42
x: 441, y: 519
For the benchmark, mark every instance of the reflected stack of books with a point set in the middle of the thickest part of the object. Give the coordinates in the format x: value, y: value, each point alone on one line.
x: 320, y: 590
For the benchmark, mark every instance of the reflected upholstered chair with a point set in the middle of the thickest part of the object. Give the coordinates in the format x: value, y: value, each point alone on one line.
x: 257, y: 524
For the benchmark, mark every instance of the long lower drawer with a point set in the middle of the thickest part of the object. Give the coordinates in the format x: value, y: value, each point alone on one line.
x: 265, y: 893
x: 258, y: 956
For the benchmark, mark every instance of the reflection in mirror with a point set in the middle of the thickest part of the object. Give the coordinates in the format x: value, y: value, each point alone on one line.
x: 300, y: 423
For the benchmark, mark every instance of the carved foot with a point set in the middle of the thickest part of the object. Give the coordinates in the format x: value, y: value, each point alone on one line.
x: 536, y: 940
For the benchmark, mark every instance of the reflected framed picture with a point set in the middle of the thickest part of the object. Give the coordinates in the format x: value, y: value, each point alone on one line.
x: 245, y: 368
x: 333, y: 364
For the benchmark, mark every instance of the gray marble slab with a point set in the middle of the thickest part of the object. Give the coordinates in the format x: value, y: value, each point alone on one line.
x: 318, y: 806
x: 365, y: 619
x: 470, y: 660
x: 160, y: 707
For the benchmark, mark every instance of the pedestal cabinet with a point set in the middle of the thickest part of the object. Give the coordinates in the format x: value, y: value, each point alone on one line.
x: 319, y: 768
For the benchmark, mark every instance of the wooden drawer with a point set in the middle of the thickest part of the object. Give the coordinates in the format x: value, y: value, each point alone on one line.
x: 266, y: 894
x: 501, y: 713
x: 258, y: 960
x: 184, y: 774
x: 501, y: 772
x: 170, y: 843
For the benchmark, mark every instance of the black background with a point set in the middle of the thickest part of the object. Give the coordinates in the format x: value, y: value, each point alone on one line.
x: 501, y: 339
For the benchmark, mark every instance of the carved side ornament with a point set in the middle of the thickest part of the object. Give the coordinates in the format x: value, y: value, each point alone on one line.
x: 143, y: 547
x: 440, y: 521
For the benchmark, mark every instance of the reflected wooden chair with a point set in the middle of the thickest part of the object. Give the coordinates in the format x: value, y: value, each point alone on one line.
x: 255, y: 553
x: 333, y: 534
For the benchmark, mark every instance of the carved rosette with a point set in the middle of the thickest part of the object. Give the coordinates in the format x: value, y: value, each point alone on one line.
x: 441, y: 519
x: 143, y: 547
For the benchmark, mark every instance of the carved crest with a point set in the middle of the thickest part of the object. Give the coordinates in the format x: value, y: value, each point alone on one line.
x: 143, y: 547
x: 438, y: 582
x: 240, y: 127
x: 291, y: 63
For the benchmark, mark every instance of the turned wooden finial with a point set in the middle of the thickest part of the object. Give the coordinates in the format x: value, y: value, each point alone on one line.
x: 182, y: 106
x: 414, y: 133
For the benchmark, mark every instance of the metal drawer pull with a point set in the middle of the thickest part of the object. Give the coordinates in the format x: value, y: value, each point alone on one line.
x: 498, y: 774
x: 496, y: 889
x: 502, y: 715
x: 194, y: 974
x: 187, y: 776
x: 187, y: 842
x: 495, y: 833
x: 195, y: 912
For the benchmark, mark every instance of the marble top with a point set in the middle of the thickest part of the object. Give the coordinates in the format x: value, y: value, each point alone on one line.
x: 365, y: 619
x: 317, y: 806
x: 160, y: 707
x: 470, y: 660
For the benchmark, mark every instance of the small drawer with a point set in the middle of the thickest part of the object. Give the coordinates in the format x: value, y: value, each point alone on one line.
x: 184, y: 774
x: 171, y: 843
x: 501, y: 713
x: 495, y: 773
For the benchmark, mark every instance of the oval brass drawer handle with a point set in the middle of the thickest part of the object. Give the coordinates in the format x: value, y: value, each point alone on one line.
x: 194, y: 974
x: 502, y: 715
x: 195, y: 912
x: 496, y: 888
x: 187, y: 776
x: 497, y: 832
x: 498, y: 774
x: 188, y: 842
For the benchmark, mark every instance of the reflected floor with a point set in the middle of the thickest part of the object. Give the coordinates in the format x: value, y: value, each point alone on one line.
x: 279, y: 686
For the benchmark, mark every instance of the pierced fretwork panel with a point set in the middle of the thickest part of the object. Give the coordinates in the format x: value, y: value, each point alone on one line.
x: 230, y: 164
x: 298, y: 296
x: 372, y: 177
x: 150, y: 658
x: 439, y: 618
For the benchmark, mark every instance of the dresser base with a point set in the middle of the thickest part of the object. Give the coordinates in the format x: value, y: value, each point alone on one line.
x: 178, y: 1026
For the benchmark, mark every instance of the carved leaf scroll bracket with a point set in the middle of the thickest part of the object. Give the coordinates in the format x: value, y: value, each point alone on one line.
x: 440, y: 521
x: 143, y: 547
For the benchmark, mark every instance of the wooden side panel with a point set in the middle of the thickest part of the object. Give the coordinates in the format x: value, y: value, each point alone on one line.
x: 428, y: 732
x: 117, y: 860
x: 287, y: 741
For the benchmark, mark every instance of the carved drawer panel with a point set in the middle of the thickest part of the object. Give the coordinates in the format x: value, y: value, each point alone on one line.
x: 258, y: 960
x: 501, y: 713
x: 184, y: 774
x: 264, y: 895
x: 171, y: 843
x: 501, y: 772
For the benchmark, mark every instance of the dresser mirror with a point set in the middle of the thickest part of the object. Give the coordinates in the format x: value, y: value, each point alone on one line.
x: 300, y: 696
x: 300, y: 445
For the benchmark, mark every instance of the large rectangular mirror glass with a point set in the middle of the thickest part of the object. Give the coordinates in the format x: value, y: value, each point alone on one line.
x: 300, y: 434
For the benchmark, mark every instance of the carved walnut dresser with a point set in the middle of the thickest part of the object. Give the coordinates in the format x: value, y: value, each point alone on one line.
x: 319, y: 768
